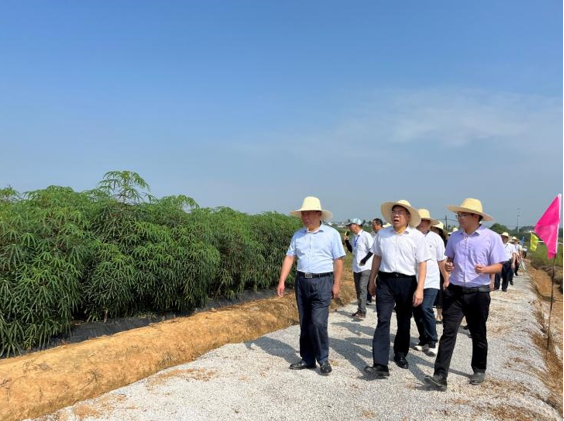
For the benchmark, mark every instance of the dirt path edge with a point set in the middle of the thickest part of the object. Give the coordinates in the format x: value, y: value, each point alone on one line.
x: 43, y: 382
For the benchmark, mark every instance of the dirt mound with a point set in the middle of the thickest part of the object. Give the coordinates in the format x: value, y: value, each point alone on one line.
x: 42, y: 382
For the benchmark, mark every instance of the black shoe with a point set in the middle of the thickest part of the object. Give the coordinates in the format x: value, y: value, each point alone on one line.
x: 477, y: 378
x: 436, y: 382
x: 377, y: 370
x: 325, y: 368
x: 400, y: 361
x: 359, y: 315
x: 301, y: 365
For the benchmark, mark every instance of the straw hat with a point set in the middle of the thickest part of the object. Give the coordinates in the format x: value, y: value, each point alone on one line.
x: 311, y: 203
x: 453, y: 230
x: 441, y: 226
x: 505, y: 235
x: 471, y: 206
x: 425, y: 214
x: 386, y: 209
x: 386, y: 225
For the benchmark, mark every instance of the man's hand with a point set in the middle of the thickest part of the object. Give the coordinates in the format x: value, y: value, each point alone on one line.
x: 417, y: 298
x: 362, y: 262
x: 480, y: 269
x: 449, y: 266
x: 372, y: 288
x: 280, y: 289
x: 335, y: 291
x: 446, y: 284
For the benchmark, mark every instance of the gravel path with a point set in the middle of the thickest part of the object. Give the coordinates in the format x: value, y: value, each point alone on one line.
x: 251, y: 381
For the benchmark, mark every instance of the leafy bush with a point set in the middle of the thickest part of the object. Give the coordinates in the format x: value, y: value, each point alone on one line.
x: 117, y: 250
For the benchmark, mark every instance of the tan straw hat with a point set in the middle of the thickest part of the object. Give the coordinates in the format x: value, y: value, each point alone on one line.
x: 312, y: 204
x: 425, y: 214
x: 471, y: 206
x: 386, y: 209
x: 441, y: 226
x: 504, y: 234
x: 386, y: 225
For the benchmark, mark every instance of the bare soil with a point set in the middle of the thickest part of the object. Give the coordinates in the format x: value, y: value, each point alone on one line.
x: 43, y: 382
x: 542, y: 282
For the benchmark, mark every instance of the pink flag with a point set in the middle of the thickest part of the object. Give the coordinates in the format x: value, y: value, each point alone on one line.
x: 547, y: 227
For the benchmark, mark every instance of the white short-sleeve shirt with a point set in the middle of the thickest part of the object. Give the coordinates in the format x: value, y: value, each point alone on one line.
x: 362, y: 243
x: 436, y: 247
x: 401, y: 253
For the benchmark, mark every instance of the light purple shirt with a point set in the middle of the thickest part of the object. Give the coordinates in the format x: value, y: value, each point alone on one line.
x: 483, y: 247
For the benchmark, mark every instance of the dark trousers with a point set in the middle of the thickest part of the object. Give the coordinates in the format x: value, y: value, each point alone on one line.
x: 456, y: 305
x: 390, y: 292
x: 314, y: 297
x: 516, y: 268
x: 504, y: 277
x: 425, y: 317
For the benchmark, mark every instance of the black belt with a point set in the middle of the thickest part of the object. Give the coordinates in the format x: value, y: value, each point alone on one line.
x: 469, y: 290
x: 388, y: 275
x: 314, y: 275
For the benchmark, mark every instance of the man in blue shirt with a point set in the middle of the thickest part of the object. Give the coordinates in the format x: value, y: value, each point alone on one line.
x: 320, y: 265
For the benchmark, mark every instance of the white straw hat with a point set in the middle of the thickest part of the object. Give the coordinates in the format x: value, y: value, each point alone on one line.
x: 425, y: 214
x: 387, y: 207
x: 471, y: 206
x: 505, y: 234
x: 311, y: 203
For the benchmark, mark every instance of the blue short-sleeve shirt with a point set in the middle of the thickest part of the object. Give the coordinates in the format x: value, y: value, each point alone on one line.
x: 316, y: 251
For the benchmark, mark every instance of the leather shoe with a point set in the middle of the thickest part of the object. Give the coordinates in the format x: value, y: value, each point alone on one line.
x: 325, y: 368
x: 301, y: 365
x: 400, y: 361
x: 477, y: 378
x: 436, y: 382
x: 377, y: 370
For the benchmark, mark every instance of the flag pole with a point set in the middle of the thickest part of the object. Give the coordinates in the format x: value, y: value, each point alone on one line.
x: 551, y: 301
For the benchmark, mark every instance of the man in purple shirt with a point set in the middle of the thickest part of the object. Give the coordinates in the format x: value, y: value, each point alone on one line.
x: 473, y: 254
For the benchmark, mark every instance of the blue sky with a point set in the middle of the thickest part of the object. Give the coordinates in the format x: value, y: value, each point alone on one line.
x: 257, y: 104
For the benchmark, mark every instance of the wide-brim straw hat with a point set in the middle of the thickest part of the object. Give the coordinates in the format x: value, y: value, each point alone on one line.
x: 386, y: 209
x: 386, y: 225
x: 514, y: 239
x: 441, y: 226
x: 453, y: 230
x: 425, y: 214
x: 311, y: 203
x: 504, y: 234
x: 470, y: 205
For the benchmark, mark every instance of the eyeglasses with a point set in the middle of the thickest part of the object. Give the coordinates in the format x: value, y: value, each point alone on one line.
x: 463, y: 215
x: 399, y: 213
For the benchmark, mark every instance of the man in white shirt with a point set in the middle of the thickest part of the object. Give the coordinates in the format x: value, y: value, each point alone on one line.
x: 360, y: 248
x: 519, y: 256
x: 508, y: 266
x: 400, y: 253
x: 423, y: 314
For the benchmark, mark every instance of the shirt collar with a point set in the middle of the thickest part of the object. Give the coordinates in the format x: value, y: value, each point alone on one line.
x: 477, y: 232
x: 321, y: 228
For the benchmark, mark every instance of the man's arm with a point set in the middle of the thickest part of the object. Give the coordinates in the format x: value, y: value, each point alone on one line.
x: 284, y: 272
x: 446, y: 275
x: 337, y: 272
x: 365, y: 258
x: 419, y: 292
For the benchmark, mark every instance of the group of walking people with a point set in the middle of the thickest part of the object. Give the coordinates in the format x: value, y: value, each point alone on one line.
x: 407, y: 267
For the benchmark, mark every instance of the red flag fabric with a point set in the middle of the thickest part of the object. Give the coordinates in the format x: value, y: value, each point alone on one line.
x: 548, y: 225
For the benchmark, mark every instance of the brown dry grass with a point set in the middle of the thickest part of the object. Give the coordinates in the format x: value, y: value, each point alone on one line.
x: 41, y: 383
x: 553, y: 376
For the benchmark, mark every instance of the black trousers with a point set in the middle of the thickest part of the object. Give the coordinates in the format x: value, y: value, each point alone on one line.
x: 476, y: 307
x: 313, y: 297
x: 390, y: 292
x: 504, y: 277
